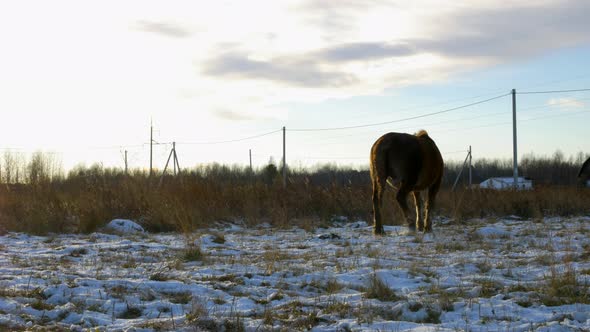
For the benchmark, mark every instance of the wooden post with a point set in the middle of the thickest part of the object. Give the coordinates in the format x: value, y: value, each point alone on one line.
x: 166, y: 167
x: 284, y: 159
x: 470, y: 175
x: 514, y: 145
x: 467, y: 157
x: 151, y: 147
x: 176, y: 159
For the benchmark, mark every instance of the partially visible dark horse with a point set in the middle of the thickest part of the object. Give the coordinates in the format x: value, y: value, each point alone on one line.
x: 414, y: 163
x: 584, y: 174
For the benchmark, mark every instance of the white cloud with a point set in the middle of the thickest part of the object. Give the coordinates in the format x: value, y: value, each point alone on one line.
x: 341, y: 49
x: 565, y: 103
x: 168, y: 29
x: 214, y: 62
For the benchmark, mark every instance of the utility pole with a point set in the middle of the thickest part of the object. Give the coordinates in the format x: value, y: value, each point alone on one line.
x: 250, y: 153
x: 125, y: 162
x: 175, y: 163
x: 151, y: 147
x: 470, y: 175
x: 284, y: 159
x: 514, y: 145
x: 467, y: 159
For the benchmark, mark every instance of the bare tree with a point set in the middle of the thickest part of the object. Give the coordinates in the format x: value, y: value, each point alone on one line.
x: 10, y: 165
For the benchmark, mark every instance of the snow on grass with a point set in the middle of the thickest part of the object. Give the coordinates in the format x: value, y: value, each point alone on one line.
x: 483, y: 275
x: 124, y: 226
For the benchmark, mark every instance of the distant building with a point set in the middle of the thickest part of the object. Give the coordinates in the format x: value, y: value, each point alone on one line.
x: 507, y: 183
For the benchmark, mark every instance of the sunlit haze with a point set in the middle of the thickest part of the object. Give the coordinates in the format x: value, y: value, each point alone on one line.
x: 84, y: 80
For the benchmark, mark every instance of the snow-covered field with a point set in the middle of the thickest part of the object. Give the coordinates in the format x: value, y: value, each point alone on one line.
x: 483, y: 275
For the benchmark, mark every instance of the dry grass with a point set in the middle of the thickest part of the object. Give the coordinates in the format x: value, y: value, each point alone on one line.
x: 378, y: 289
x: 532, y: 204
x: 562, y: 286
x: 89, y: 198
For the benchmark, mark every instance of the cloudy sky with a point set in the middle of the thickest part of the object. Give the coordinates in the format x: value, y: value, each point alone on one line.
x: 84, y: 79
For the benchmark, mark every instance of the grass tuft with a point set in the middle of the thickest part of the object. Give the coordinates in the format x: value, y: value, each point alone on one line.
x: 377, y: 289
x: 193, y: 254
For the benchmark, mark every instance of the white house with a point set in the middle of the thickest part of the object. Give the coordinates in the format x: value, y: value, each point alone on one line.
x: 507, y: 183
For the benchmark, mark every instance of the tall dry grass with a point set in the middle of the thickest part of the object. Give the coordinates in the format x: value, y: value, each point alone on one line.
x: 89, y: 197
x: 188, y: 202
x: 530, y: 204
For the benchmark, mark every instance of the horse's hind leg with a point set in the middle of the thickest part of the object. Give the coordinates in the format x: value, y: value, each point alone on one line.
x: 401, y: 197
x: 432, y: 191
x: 418, y: 203
x: 378, y: 187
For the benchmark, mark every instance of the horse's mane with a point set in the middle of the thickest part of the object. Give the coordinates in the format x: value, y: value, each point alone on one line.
x: 421, y: 133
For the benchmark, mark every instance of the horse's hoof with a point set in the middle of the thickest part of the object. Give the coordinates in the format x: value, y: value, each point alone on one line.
x: 378, y: 232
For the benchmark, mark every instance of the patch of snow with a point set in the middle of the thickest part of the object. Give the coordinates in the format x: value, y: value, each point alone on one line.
x: 357, y: 224
x: 273, y: 279
x: 491, y: 231
x: 8, y: 305
x: 329, y: 236
x: 227, y: 226
x: 124, y: 226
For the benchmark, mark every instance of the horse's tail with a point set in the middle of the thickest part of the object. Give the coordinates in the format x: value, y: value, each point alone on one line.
x: 378, y: 166
x: 391, y: 184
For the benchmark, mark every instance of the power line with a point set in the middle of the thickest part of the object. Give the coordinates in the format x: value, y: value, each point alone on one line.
x: 232, y: 140
x: 462, y: 118
x: 319, y: 141
x: 454, y: 152
x: 116, y: 147
x: 508, y: 122
x: 437, y: 104
x: 158, y: 143
x: 404, y: 119
x: 550, y: 91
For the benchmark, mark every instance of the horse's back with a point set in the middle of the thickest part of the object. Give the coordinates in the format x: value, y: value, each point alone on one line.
x: 407, y: 157
x: 432, y: 162
x: 401, y: 143
x: 397, y: 154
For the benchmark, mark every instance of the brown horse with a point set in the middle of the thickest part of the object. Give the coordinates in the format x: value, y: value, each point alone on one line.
x: 412, y: 161
x: 584, y: 174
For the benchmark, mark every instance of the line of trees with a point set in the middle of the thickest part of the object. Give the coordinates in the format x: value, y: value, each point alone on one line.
x: 555, y: 170
x: 40, y: 167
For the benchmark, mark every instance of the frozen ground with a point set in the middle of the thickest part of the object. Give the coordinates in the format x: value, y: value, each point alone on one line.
x: 484, y: 275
